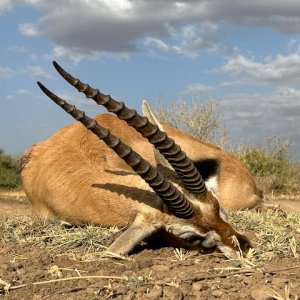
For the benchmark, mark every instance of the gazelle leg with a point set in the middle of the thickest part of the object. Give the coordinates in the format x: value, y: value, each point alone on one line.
x: 134, y: 234
x: 270, y: 206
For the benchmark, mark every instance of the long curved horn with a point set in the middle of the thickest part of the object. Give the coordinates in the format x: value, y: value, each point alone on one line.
x: 183, y: 166
x: 172, y: 197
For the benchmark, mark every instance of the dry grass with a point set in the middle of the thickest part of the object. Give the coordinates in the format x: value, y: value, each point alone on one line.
x: 12, y: 194
x: 85, y: 242
x: 274, y: 236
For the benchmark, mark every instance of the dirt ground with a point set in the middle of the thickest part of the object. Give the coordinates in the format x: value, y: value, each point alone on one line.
x: 149, y: 273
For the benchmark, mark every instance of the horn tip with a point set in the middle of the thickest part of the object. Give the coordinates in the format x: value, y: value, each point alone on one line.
x: 56, y: 66
x: 43, y: 88
x: 40, y: 84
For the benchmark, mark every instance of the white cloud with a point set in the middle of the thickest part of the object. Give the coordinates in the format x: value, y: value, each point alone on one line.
x: 196, y: 89
x: 162, y: 46
x: 18, y: 93
x: 280, y: 68
x: 9, y: 97
x: 74, y: 54
x: 38, y: 72
x: 288, y: 91
x: 78, y: 54
x: 255, y: 117
x: 29, y: 29
x: 189, y: 40
x: 23, y: 92
x: 5, y: 6
x: 6, y: 72
x: 116, y: 26
x: 17, y: 49
x: 232, y: 83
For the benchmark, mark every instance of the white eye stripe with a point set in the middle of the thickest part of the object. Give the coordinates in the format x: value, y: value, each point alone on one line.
x: 184, y: 230
x: 212, y: 185
x: 223, y: 213
x: 186, y: 235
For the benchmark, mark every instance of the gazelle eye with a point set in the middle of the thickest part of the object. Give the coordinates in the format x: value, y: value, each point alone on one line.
x: 193, y: 238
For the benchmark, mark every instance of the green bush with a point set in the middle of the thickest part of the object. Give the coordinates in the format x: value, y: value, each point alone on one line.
x: 271, y: 165
x: 9, y: 175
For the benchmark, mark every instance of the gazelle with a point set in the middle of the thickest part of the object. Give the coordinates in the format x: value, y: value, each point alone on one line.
x: 84, y: 174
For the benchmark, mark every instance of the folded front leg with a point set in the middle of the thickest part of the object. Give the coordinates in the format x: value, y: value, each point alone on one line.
x: 139, y: 229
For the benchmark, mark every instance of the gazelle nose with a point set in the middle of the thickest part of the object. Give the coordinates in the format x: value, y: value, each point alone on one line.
x: 244, y: 242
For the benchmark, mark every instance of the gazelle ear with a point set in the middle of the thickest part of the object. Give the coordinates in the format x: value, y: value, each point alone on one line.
x: 147, y: 112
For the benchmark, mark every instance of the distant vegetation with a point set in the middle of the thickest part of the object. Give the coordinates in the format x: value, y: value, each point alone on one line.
x: 271, y: 164
x: 200, y: 120
x: 9, y: 174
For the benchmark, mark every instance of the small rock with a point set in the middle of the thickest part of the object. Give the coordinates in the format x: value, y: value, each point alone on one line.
x: 160, y: 268
x: 204, y: 286
x: 39, y: 274
x: 17, y: 265
x: 261, y: 292
x: 197, y: 295
x: 227, y: 285
x: 21, y: 272
x: 171, y: 292
x: 144, y: 264
x: 197, y: 286
x: 247, y: 280
x: 129, y: 296
x: 279, y: 282
x: 217, y: 293
x: 155, y: 293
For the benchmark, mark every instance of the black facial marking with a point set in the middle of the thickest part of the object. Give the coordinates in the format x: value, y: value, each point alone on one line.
x: 207, y: 167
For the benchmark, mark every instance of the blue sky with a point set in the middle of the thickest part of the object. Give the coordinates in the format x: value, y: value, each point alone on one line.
x: 245, y: 55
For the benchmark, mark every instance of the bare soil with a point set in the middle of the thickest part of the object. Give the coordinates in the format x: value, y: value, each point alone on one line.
x: 149, y: 273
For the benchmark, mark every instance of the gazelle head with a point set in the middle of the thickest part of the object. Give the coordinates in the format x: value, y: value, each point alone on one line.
x: 193, y: 214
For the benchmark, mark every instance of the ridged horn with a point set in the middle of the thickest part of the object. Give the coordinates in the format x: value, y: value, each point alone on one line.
x: 183, y: 166
x: 172, y: 197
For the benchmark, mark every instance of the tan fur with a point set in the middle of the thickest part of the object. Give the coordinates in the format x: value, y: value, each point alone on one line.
x: 75, y: 177
x: 92, y: 158
x: 237, y: 188
x: 74, y: 162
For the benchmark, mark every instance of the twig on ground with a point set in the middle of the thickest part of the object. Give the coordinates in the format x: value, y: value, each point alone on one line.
x: 221, y: 275
x: 125, y: 278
